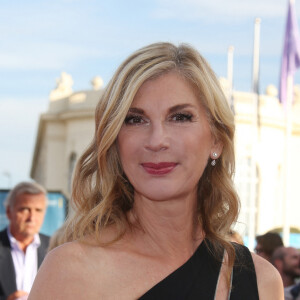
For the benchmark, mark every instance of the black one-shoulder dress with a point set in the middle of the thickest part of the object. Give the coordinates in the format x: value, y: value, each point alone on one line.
x: 198, y: 278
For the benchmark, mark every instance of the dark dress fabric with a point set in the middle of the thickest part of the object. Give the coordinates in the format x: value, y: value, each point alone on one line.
x: 198, y: 277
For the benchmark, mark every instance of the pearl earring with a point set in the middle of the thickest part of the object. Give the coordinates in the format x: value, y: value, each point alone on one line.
x: 213, y: 162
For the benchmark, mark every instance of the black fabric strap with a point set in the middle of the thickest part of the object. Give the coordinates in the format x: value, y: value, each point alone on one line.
x: 196, y: 279
x: 244, y: 283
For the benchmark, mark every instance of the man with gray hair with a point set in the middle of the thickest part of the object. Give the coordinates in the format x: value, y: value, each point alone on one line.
x: 22, y: 248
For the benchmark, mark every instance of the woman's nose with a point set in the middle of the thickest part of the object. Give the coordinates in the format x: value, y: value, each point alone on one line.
x: 157, y: 138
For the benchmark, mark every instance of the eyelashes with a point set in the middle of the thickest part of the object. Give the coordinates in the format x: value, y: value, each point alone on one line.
x: 137, y: 119
x: 134, y: 119
x: 182, y: 117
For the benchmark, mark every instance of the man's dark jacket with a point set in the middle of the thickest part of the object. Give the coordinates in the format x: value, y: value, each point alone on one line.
x: 7, y: 271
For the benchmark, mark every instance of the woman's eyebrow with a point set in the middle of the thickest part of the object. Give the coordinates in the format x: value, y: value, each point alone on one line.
x: 136, y: 110
x: 180, y: 106
x: 171, y: 109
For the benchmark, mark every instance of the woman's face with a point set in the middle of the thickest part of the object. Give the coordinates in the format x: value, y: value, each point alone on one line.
x: 165, y: 141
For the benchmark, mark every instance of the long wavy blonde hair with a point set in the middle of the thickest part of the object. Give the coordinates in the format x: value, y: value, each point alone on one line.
x: 101, y: 193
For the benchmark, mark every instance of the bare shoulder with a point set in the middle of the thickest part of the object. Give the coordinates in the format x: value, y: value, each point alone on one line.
x: 270, y: 286
x: 64, y: 256
x: 65, y: 266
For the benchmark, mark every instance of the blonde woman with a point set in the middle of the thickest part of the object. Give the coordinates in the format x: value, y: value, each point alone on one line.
x: 154, y: 195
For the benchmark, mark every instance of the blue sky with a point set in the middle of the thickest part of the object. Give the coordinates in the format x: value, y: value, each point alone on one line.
x: 85, y: 38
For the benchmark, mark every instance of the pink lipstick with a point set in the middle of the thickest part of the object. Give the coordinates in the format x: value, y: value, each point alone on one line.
x: 161, y: 168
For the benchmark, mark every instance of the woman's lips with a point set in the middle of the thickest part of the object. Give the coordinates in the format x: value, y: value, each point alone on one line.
x: 159, y: 168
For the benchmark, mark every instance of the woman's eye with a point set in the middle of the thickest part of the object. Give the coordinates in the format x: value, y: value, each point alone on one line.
x: 181, y: 117
x: 134, y: 119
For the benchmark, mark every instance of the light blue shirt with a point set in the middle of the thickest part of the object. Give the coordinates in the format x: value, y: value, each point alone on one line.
x: 25, y: 264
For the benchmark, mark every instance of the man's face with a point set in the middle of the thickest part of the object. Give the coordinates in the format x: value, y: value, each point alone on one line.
x: 26, y: 216
x: 259, y: 251
x: 291, y: 262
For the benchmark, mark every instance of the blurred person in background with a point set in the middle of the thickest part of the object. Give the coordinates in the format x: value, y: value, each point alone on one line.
x: 287, y: 261
x: 267, y: 243
x: 22, y: 248
x: 292, y: 292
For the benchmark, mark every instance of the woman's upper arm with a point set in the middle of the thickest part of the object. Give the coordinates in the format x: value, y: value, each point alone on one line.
x: 269, y: 282
x: 55, y: 274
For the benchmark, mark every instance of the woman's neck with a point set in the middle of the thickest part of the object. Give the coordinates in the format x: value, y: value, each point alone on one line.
x: 168, y: 227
